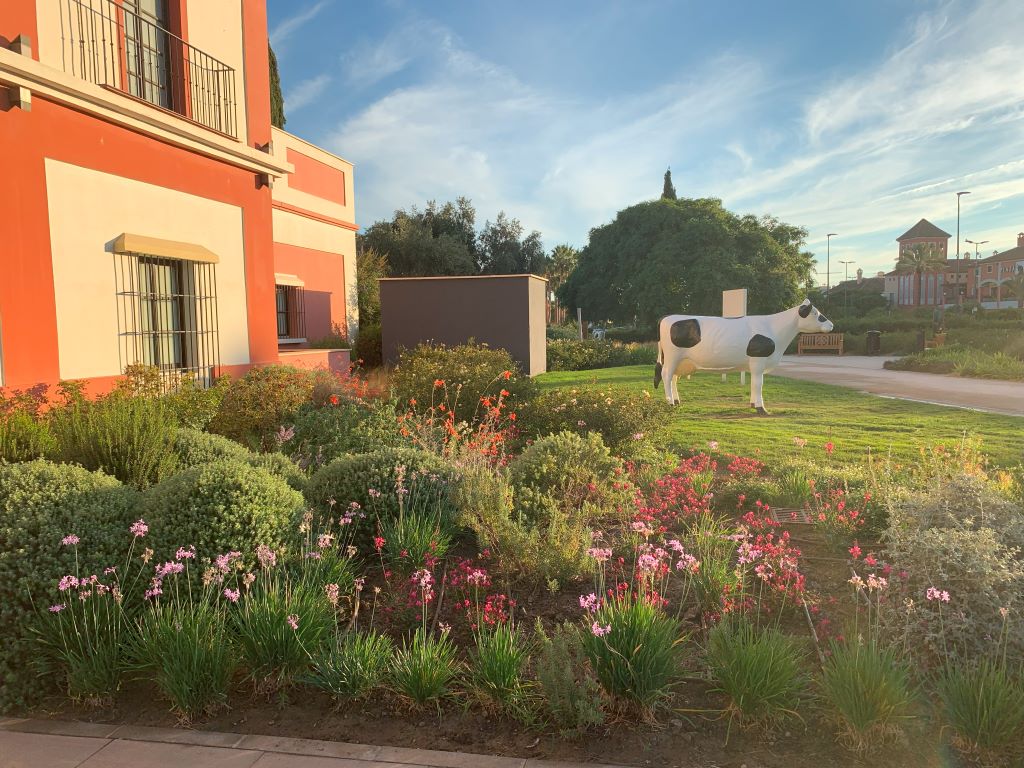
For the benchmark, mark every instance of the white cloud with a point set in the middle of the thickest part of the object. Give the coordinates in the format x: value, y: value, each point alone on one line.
x: 289, y: 26
x: 306, y: 92
x: 869, y: 154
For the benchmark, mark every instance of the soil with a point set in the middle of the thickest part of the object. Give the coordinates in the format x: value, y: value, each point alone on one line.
x: 689, y: 732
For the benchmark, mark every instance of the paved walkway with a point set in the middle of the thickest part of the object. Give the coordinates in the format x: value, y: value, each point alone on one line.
x: 867, y: 375
x: 60, y: 744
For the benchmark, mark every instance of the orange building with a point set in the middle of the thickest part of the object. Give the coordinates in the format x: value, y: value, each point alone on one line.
x: 151, y: 213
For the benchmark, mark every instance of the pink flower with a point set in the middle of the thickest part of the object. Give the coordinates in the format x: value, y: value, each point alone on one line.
x: 67, y: 582
x: 829, y: 447
x: 600, y: 554
x: 647, y: 562
x: 293, y: 621
x: 223, y: 562
x: 266, y: 556
x: 333, y: 593
x: 855, y: 551
x: 185, y: 554
x: 936, y: 594
x: 57, y: 608
x: 688, y: 562
x: 589, y: 602
x: 598, y: 631
x: 168, y: 569
x: 232, y: 595
x: 324, y: 540
x: 477, y: 577
x: 69, y: 540
x: 139, y: 529
x: 713, y: 445
x: 871, y: 560
x: 379, y: 542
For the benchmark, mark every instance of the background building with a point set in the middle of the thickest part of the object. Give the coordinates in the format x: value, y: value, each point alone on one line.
x: 152, y: 214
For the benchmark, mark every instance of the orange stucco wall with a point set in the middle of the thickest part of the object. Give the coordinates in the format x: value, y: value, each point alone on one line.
x: 324, y: 292
x: 316, y: 178
x: 26, y: 292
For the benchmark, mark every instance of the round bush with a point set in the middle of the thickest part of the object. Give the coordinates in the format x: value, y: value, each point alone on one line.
x: 221, y: 507
x: 195, y: 448
x: 255, y: 406
x: 322, y: 433
x: 40, y: 503
x: 280, y: 466
x: 575, y: 470
x: 351, y: 478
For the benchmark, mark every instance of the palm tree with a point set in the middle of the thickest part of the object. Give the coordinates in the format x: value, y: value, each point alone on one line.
x: 919, y: 259
x: 1015, y: 287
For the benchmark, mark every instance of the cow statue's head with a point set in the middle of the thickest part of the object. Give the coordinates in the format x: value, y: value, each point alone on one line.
x: 811, y: 320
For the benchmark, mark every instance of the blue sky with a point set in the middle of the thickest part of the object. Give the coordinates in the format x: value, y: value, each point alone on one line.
x: 851, y: 117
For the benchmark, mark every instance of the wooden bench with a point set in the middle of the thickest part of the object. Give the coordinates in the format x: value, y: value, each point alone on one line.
x: 936, y: 341
x: 820, y: 342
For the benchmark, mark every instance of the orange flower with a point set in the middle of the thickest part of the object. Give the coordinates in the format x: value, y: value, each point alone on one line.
x: 504, y: 393
x: 438, y: 382
x: 511, y: 417
x: 507, y: 375
x: 412, y: 401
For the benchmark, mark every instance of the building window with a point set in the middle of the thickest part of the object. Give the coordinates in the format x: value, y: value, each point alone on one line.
x: 167, y: 316
x: 291, y: 313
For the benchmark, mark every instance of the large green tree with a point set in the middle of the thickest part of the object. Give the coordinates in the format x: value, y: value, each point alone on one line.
x: 677, y: 256
x: 371, y: 266
x: 668, y: 189
x: 504, y: 250
x: 277, y: 118
x: 561, y: 263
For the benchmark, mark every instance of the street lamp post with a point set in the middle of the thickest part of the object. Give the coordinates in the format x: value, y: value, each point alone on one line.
x: 976, y: 244
x: 828, y: 261
x: 956, y: 279
x: 846, y: 282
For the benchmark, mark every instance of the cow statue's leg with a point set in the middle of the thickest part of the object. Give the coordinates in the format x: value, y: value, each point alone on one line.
x: 757, y: 389
x: 668, y: 376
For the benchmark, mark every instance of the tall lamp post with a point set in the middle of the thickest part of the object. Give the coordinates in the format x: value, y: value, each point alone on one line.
x: 846, y: 282
x: 976, y: 244
x: 828, y: 261
x: 956, y: 284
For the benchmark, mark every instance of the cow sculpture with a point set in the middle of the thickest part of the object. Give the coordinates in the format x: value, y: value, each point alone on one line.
x: 754, y: 343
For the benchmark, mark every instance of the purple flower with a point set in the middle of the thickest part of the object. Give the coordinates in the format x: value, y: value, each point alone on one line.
x: 57, y: 608
x: 139, y: 528
x: 69, y: 540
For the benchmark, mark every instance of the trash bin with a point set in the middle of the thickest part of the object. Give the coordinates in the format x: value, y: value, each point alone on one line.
x: 873, y: 342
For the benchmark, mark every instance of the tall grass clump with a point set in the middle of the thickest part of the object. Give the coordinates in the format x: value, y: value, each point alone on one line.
x: 424, y: 668
x: 354, y: 666
x: 23, y: 437
x: 710, y: 540
x: 570, y: 694
x: 760, y: 670
x: 496, y: 668
x: 131, y: 438
x: 633, y: 647
x: 984, y: 705
x: 868, y: 688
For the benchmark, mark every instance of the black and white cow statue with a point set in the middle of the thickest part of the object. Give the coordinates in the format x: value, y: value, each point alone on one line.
x: 755, y: 343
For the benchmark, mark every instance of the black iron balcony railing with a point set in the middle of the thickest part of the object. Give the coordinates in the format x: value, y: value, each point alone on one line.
x: 109, y: 44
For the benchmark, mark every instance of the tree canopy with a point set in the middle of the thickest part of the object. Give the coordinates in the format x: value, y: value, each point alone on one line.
x: 668, y: 189
x: 675, y: 256
x: 277, y: 118
x: 442, y: 240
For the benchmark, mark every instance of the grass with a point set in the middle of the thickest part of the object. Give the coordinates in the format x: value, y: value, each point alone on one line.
x: 962, y: 361
x: 819, y: 413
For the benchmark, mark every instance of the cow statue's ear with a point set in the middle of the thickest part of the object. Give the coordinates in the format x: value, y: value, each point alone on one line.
x: 805, y: 308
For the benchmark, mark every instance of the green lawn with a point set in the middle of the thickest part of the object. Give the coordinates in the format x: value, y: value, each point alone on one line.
x: 818, y: 413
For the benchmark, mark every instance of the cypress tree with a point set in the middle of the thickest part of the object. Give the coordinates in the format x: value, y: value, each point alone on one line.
x: 277, y: 118
x: 668, y: 191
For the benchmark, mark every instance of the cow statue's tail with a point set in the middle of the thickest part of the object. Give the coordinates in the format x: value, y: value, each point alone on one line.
x: 658, y: 366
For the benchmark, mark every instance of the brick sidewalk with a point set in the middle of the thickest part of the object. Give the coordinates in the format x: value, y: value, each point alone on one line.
x: 62, y: 744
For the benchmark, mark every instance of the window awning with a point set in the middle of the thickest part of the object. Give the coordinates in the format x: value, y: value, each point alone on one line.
x: 281, y: 278
x: 168, y: 249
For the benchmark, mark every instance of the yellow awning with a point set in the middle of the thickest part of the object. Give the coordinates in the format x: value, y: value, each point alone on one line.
x: 281, y: 278
x: 168, y: 249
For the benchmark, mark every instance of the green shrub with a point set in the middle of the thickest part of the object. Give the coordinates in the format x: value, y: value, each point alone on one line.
x: 621, y: 418
x: 984, y: 705
x: 24, y: 437
x: 131, y: 438
x: 570, y: 693
x: 576, y: 355
x: 496, y: 667
x: 255, y: 406
x: 282, y: 467
x: 867, y: 686
x: 633, y: 647
x: 760, y: 670
x: 185, y: 647
x: 368, y: 349
x: 351, y: 478
x: 41, y: 503
x: 320, y: 434
x: 424, y: 668
x: 195, y: 448
x: 469, y: 372
x: 964, y: 537
x: 354, y: 667
x: 191, y: 404
x: 575, y: 470
x: 221, y: 507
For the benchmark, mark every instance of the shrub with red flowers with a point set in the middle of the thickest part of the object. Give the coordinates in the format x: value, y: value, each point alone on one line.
x: 742, y: 466
x: 470, y: 584
x: 837, y: 516
x: 682, y: 493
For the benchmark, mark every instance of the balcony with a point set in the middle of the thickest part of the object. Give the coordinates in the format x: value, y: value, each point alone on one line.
x: 111, y: 45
